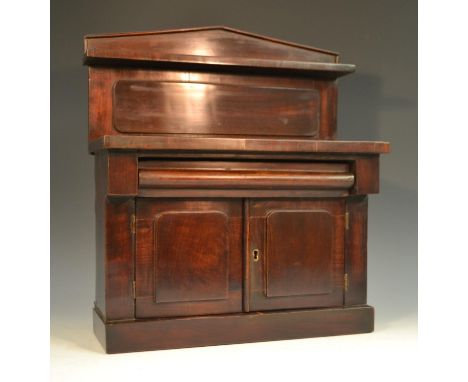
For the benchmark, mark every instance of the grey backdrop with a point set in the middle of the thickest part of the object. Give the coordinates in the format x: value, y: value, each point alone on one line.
x: 378, y: 102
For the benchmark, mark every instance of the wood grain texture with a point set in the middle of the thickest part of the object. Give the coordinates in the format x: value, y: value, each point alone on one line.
x: 187, y: 178
x: 114, y: 247
x: 332, y: 167
x: 301, y: 245
x: 366, y: 170
x: 246, y: 257
x: 188, y: 257
x: 218, y: 47
x: 216, y: 42
x: 356, y: 251
x: 240, y: 193
x: 122, y: 174
x: 119, y: 258
x: 103, y: 80
x: 328, y: 111
x: 244, y: 179
x: 191, y: 256
x: 152, y: 107
x: 226, y: 210
x: 143, y: 335
x: 298, y: 253
x: 241, y: 145
x: 100, y: 181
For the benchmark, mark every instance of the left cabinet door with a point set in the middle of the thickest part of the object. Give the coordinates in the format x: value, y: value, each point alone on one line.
x: 188, y: 257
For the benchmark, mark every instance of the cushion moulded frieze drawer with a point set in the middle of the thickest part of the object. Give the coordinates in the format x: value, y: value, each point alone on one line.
x: 249, y: 176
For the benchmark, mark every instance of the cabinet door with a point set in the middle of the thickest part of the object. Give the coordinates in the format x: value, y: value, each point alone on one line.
x: 295, y: 253
x: 188, y: 257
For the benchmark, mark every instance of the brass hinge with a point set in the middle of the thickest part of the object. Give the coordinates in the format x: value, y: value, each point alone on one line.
x: 133, y: 224
x: 347, y: 220
x: 134, y: 290
x: 346, y: 282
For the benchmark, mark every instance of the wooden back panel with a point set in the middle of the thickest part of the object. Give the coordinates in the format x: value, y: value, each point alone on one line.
x: 161, y: 102
x: 153, y: 107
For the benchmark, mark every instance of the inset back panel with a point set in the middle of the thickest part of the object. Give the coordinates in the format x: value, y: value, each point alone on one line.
x: 153, y: 107
x: 134, y: 102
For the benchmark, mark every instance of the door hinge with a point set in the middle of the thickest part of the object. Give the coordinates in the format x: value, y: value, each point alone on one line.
x: 346, y: 282
x: 133, y: 224
x: 347, y: 220
x: 134, y: 290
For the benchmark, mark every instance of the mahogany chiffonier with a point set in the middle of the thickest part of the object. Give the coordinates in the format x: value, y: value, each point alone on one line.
x: 226, y: 210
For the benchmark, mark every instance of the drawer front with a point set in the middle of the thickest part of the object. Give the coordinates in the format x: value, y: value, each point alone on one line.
x: 246, y: 179
x: 153, y: 107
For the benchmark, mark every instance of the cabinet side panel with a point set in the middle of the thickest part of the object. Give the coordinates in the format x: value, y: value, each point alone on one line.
x: 114, y: 247
x: 123, y: 174
x: 100, y: 165
x: 99, y: 103
x: 328, y: 110
x: 119, y: 258
x: 356, y: 251
x: 366, y: 171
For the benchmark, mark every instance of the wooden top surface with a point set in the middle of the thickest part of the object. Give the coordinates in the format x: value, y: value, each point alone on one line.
x: 240, y: 145
x: 219, y: 46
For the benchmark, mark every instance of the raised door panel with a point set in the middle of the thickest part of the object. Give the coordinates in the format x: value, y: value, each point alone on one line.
x: 296, y: 253
x: 188, y: 257
x: 299, y: 250
x: 191, y: 253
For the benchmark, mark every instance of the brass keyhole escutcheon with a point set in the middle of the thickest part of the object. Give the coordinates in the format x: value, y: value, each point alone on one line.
x: 256, y: 254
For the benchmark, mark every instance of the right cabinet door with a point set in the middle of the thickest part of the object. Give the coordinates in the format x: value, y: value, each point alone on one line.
x: 295, y: 253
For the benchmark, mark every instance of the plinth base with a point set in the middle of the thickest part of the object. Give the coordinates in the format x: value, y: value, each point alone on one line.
x: 182, y: 332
